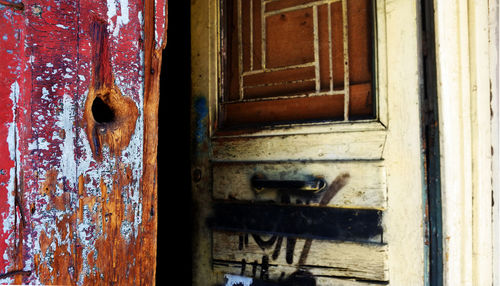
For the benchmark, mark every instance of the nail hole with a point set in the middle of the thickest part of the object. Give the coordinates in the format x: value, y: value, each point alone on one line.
x: 101, y: 111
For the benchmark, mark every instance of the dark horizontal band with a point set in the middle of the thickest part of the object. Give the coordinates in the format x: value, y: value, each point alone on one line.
x: 297, y: 221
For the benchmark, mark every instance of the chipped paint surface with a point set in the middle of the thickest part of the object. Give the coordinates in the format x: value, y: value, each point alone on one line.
x: 233, y: 280
x: 12, y: 66
x: 160, y: 22
x: 394, y: 141
x: 71, y: 217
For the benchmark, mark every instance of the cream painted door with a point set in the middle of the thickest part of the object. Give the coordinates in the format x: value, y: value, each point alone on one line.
x: 328, y: 201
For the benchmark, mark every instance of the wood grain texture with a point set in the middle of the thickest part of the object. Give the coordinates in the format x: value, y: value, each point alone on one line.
x: 82, y: 198
x: 343, y: 259
x: 12, y: 78
x: 366, y: 187
x: 303, y: 65
x: 365, y: 145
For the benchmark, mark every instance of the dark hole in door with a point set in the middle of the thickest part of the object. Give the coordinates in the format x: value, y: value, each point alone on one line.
x: 102, y: 112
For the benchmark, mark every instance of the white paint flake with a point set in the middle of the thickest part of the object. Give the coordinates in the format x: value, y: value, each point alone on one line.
x: 111, y: 13
x: 11, y: 137
x: 233, y: 280
x: 8, y: 218
x: 62, y: 26
x: 45, y: 93
x: 121, y: 20
x: 68, y: 160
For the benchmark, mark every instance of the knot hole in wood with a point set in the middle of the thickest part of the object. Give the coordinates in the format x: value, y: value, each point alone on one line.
x: 102, y: 112
x: 110, y: 120
x: 109, y: 116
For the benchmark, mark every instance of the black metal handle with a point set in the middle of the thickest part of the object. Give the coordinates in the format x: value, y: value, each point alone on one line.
x: 315, y: 185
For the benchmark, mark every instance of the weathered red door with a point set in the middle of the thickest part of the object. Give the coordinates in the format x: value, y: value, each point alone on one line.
x: 78, y: 134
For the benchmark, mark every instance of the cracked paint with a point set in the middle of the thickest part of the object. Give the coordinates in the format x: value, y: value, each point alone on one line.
x: 69, y: 217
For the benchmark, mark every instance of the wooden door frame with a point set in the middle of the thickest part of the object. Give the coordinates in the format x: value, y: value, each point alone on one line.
x: 494, y: 55
x: 463, y: 88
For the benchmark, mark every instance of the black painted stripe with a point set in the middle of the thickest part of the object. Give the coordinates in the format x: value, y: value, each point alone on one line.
x: 297, y: 221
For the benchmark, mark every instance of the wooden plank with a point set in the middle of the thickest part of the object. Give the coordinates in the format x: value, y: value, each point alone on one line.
x: 278, y: 76
x: 283, y: 110
x: 364, y: 145
x: 280, y: 4
x: 85, y: 190
x: 312, y: 222
x: 241, y: 254
x: 290, y: 29
x: 366, y: 187
x: 47, y: 151
x: 333, y: 281
x: 301, y: 278
x: 12, y: 77
x: 303, y: 35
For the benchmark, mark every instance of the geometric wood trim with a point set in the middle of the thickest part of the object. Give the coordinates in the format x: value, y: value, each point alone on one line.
x: 285, y: 50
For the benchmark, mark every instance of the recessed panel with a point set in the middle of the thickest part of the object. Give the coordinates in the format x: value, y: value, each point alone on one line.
x: 277, y: 54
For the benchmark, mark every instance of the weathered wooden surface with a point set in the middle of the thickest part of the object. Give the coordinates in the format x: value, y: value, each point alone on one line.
x: 366, y: 187
x: 242, y: 254
x: 299, y: 278
x: 12, y: 70
x: 365, y: 145
x: 394, y: 138
x: 79, y: 203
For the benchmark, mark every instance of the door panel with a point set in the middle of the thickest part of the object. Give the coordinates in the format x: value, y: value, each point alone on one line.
x: 306, y: 56
x: 366, y: 187
x: 354, y: 145
x: 238, y: 254
x: 366, y: 226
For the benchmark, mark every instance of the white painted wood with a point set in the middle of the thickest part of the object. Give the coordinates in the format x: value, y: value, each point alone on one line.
x: 394, y: 139
x: 366, y: 187
x: 223, y: 268
x: 493, y: 18
x: 481, y: 143
x: 454, y: 115
x: 327, y: 281
x: 465, y: 139
x: 403, y: 219
x: 345, y: 259
x: 361, y: 145
x: 323, y: 281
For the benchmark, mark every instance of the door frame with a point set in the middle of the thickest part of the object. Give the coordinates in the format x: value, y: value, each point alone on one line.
x: 463, y: 88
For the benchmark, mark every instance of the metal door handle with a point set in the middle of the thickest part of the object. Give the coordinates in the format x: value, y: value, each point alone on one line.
x: 315, y: 185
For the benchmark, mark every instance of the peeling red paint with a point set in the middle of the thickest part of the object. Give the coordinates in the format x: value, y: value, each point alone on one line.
x: 11, y: 82
x: 70, y: 217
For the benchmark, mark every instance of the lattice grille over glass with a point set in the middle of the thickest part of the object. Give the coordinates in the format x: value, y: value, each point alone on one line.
x: 296, y: 61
